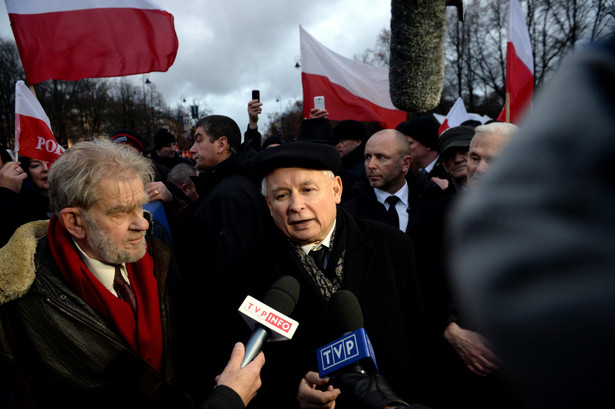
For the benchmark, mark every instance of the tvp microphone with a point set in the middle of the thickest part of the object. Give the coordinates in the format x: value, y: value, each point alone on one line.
x: 269, y: 319
x: 354, y: 346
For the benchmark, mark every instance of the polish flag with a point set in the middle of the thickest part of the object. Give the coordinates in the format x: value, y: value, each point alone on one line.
x: 74, y: 39
x: 33, y: 136
x: 519, y: 66
x: 352, y: 90
x: 455, y: 116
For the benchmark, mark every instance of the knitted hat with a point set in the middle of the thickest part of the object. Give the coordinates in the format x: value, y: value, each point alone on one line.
x: 316, y: 130
x: 297, y: 154
x: 129, y: 137
x: 349, y: 129
x: 423, y: 129
x: 457, y: 136
x: 162, y: 138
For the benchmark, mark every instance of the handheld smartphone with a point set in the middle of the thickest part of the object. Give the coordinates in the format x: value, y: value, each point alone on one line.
x: 319, y: 103
x: 256, y: 94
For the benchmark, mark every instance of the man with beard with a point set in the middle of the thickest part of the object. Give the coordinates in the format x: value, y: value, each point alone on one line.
x: 86, y: 315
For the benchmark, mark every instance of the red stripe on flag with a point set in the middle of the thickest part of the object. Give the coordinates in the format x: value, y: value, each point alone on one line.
x: 519, y: 83
x: 92, y: 43
x: 342, y: 104
x: 443, y: 127
x: 36, y: 140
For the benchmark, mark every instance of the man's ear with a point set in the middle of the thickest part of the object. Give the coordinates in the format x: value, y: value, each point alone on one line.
x: 222, y: 144
x: 73, y: 221
x: 406, y: 162
x: 337, y: 189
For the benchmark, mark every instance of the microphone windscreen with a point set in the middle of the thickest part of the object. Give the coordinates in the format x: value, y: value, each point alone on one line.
x: 283, y: 295
x: 344, y: 312
x: 416, y: 70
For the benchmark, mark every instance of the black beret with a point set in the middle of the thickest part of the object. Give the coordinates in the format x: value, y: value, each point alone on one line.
x: 297, y: 155
x: 457, y: 136
x: 471, y: 122
x: 316, y: 130
x: 423, y: 129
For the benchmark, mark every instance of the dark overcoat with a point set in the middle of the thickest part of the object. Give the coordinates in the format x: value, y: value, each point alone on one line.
x: 378, y: 269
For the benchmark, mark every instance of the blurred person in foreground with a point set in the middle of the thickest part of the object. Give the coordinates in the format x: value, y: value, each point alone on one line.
x: 544, y: 215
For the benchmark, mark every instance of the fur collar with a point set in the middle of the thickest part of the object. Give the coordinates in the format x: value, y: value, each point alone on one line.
x: 17, y: 267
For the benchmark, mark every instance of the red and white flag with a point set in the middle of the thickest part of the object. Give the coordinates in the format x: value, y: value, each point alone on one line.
x: 33, y: 136
x: 74, y: 39
x: 455, y: 116
x: 519, y: 66
x: 352, y: 90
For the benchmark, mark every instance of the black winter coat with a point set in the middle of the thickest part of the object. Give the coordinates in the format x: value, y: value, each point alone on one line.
x: 378, y: 269
x: 57, y: 351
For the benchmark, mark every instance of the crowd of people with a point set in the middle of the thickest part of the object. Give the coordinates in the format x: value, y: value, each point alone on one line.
x: 105, y: 305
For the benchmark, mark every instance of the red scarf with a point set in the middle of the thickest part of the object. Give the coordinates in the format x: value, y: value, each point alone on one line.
x: 143, y: 335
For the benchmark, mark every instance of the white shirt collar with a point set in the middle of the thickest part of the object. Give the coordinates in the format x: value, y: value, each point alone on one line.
x: 105, y: 273
x: 429, y: 167
x: 402, y: 194
x: 325, y: 242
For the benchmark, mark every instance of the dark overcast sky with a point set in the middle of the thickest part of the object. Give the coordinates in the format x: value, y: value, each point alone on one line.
x: 227, y: 48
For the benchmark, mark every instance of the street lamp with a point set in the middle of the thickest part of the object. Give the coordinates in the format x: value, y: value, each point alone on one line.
x: 146, y: 116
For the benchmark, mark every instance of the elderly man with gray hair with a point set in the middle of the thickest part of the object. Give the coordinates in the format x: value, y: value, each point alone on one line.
x: 85, y: 309
x: 487, y: 144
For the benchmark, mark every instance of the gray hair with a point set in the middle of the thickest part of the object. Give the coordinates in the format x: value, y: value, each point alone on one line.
x: 499, y: 128
x: 180, y: 174
x: 75, y: 177
x: 327, y: 173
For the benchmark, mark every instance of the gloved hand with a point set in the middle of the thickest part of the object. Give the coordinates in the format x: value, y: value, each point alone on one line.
x: 368, y: 390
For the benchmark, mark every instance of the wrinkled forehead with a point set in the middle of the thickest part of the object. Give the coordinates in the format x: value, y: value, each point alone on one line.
x: 124, y: 191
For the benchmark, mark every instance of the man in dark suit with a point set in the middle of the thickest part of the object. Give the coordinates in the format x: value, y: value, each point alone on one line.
x: 372, y: 260
x: 387, y: 164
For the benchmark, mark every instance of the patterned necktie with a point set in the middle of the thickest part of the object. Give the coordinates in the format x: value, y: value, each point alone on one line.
x: 392, y: 216
x: 318, y: 254
x: 124, y: 290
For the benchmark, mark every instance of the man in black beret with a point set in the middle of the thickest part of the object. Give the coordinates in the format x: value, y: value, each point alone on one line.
x: 454, y: 147
x: 326, y: 249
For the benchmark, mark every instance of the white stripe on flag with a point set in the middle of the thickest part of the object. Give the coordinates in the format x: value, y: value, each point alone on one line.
x: 363, y: 80
x: 41, y: 6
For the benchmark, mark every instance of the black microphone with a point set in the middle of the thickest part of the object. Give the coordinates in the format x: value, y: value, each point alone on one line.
x: 354, y: 347
x: 351, y: 358
x: 281, y: 298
